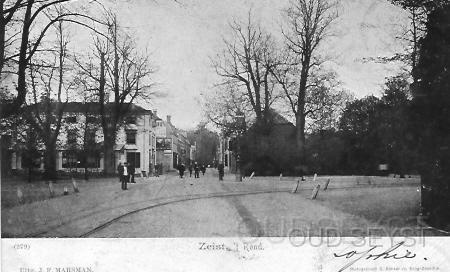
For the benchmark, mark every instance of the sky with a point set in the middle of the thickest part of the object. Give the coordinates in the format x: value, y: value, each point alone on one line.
x: 183, y: 36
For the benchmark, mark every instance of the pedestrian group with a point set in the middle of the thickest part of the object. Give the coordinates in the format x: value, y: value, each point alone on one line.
x: 126, y: 174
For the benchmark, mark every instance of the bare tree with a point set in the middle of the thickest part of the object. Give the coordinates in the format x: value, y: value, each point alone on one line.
x: 120, y: 75
x: 224, y: 105
x: 23, y: 26
x: 50, y: 86
x: 246, y: 63
x: 325, y: 102
x: 309, y: 22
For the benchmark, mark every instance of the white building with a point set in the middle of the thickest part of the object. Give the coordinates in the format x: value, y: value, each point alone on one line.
x: 135, y: 141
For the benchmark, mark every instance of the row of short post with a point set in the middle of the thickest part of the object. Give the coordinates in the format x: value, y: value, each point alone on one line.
x: 21, y: 198
x: 316, y: 189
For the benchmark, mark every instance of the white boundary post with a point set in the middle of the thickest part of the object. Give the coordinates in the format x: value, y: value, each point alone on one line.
x: 296, y: 187
x: 75, y: 186
x: 20, y: 195
x: 50, y: 188
x: 315, y: 192
x: 251, y: 176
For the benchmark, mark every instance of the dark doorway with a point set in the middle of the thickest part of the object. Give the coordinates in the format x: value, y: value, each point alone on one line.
x: 134, y: 158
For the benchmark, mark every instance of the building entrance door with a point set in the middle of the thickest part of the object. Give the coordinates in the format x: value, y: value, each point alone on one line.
x: 134, y: 158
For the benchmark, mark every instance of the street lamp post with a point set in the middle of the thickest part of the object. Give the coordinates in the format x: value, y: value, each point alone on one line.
x: 238, y: 168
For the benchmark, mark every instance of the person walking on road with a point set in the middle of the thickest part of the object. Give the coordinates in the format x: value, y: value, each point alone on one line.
x: 220, y: 168
x: 190, y: 170
x: 203, y: 169
x: 196, y: 171
x: 131, y: 171
x: 181, y: 169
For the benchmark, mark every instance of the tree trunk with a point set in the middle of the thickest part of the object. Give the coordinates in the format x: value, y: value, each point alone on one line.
x: 109, y: 158
x: 50, y: 161
x: 300, y: 135
x: 300, y: 115
x: 2, y: 38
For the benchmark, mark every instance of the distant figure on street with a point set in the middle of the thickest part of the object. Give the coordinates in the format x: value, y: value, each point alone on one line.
x: 125, y: 176
x: 156, y: 170
x: 203, y: 169
x: 131, y: 171
x: 220, y: 168
x: 196, y: 171
x: 120, y: 171
x: 190, y: 170
x: 181, y: 169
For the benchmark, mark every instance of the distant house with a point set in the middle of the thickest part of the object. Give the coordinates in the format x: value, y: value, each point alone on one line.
x: 268, y: 153
x: 172, y: 145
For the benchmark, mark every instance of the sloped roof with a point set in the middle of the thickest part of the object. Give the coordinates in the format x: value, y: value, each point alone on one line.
x: 277, y: 118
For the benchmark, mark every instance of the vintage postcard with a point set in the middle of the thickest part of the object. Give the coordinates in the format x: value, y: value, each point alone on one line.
x: 229, y: 135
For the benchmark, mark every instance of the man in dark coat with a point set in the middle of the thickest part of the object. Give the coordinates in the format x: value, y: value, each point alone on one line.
x: 203, y: 169
x: 196, y: 171
x: 131, y: 172
x: 181, y: 169
x: 120, y: 171
x: 190, y: 170
x: 220, y: 167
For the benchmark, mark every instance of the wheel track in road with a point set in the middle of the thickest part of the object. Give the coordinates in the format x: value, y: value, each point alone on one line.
x: 180, y: 199
x: 184, y: 198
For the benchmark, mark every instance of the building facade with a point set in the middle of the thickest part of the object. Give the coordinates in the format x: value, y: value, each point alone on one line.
x: 80, y: 142
x: 172, y: 145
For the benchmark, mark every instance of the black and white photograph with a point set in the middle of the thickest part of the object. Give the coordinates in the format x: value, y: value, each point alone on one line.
x: 235, y: 123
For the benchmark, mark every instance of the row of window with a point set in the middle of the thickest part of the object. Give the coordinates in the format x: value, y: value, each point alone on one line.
x: 89, y: 119
x: 94, y: 119
x: 72, y: 136
x: 77, y: 159
x: 70, y: 159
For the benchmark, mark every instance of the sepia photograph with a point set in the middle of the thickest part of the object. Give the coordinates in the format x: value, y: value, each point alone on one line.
x: 224, y: 127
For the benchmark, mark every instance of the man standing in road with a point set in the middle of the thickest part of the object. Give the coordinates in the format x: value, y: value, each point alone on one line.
x: 221, y: 171
x: 181, y: 169
x: 120, y: 171
x: 190, y: 170
x: 125, y: 176
x: 131, y: 171
x: 196, y: 171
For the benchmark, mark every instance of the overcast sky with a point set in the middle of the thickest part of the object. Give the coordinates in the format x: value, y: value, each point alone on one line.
x: 182, y: 38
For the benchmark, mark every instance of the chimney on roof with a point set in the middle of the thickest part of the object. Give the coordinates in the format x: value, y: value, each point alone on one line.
x: 155, y: 113
x: 168, y: 119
